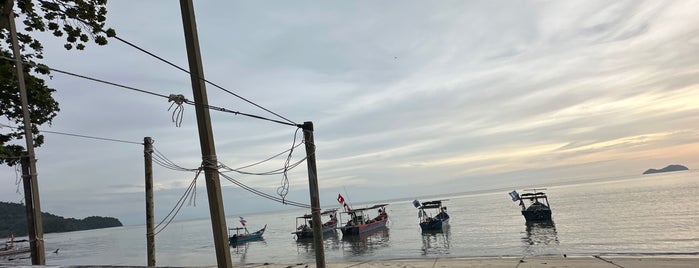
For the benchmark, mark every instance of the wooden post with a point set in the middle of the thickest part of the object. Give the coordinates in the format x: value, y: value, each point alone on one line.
x: 206, y: 136
x: 315, y: 199
x: 150, y: 232
x: 29, y: 206
x: 36, y: 231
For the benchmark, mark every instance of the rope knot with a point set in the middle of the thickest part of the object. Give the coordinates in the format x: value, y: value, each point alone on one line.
x: 177, y: 99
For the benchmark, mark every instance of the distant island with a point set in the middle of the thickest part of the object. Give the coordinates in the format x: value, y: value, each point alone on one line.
x: 14, y: 221
x: 666, y: 169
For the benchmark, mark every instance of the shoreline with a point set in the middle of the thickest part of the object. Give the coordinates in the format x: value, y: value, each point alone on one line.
x: 591, y: 261
x: 614, y: 261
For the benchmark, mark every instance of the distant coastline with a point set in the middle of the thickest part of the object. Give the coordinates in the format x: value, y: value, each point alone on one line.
x: 669, y: 168
x: 14, y: 221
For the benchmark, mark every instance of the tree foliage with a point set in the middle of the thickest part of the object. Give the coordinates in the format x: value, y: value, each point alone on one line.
x: 77, y: 22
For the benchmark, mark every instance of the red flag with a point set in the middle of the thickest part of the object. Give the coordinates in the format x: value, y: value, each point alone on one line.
x: 340, y: 199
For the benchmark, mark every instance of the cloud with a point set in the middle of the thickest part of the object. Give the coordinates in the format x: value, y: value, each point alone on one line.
x: 466, y: 95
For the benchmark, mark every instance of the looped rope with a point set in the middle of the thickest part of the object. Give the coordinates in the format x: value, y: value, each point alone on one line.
x: 283, y: 189
x: 178, y: 112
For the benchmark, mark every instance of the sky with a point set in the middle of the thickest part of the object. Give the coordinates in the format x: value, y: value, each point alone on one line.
x: 408, y: 99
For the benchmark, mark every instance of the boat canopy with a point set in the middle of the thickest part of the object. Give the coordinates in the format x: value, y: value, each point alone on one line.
x: 432, y: 204
x: 361, y: 209
x: 531, y: 196
x: 326, y: 212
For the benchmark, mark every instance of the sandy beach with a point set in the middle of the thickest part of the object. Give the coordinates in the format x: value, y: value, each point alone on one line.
x: 587, y: 262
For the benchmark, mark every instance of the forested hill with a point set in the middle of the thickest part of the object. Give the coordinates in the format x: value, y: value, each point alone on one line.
x: 669, y: 168
x: 13, y: 220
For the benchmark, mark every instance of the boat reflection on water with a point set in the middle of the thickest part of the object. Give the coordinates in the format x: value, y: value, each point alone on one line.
x: 436, y: 242
x: 540, y: 238
x: 366, y: 242
x: 331, y: 240
x: 241, y: 250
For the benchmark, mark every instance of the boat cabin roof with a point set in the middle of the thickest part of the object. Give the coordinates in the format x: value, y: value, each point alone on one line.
x: 533, y: 195
x: 362, y: 209
x: 432, y: 204
x: 326, y: 212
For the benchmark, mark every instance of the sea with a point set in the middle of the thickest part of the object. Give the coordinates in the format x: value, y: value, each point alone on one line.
x: 648, y: 215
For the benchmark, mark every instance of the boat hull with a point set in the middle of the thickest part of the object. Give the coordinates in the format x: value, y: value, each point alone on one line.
x: 434, y: 224
x: 242, y: 238
x: 14, y: 251
x: 359, y: 229
x: 309, y: 233
x: 541, y: 215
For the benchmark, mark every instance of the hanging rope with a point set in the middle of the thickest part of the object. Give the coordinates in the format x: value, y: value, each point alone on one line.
x: 18, y: 181
x: 178, y: 112
x: 262, y: 194
x: 283, y: 190
x: 176, y: 209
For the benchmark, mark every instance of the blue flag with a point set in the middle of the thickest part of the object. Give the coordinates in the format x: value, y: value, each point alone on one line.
x: 514, y: 195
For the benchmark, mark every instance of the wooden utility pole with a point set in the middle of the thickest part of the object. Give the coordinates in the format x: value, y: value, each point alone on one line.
x: 37, y: 254
x: 206, y: 136
x: 315, y: 199
x: 150, y: 232
x: 34, y: 223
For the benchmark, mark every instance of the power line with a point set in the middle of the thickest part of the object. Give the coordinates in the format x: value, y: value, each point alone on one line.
x: 179, y: 68
x: 176, y: 99
x: 239, y: 170
x: 86, y: 77
x: 78, y: 135
x: 160, y: 159
x: 192, y: 185
x: 200, y: 78
x: 189, y: 192
x: 265, y: 195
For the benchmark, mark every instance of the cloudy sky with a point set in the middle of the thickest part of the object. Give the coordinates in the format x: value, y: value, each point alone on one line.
x: 408, y: 99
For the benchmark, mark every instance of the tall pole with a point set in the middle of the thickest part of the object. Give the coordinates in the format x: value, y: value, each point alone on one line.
x: 206, y: 136
x: 315, y: 199
x: 36, y: 240
x: 28, y: 205
x: 150, y: 232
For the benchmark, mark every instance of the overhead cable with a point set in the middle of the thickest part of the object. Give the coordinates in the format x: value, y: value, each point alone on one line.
x: 176, y: 99
x: 179, y: 68
x: 160, y: 159
x: 189, y: 192
x: 265, y: 195
x: 78, y: 135
x: 239, y: 170
x: 200, y: 78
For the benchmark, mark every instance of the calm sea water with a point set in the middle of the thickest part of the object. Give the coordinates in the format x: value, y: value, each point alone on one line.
x: 646, y: 215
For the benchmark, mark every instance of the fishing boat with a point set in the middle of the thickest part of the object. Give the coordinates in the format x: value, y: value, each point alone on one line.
x: 11, y: 248
x: 429, y: 222
x: 535, y: 205
x: 304, y: 224
x: 242, y: 234
x: 359, y: 221
x: 241, y: 237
